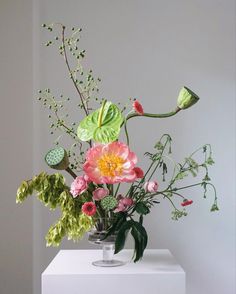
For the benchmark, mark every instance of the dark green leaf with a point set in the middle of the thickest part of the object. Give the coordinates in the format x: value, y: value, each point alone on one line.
x: 140, y: 239
x: 142, y: 208
x: 121, y: 236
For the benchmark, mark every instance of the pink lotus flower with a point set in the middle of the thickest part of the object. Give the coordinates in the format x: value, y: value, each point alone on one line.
x: 151, y: 186
x: 100, y: 193
x: 123, y: 204
x: 110, y: 163
x: 138, y: 107
x: 89, y: 208
x: 79, y: 186
x: 139, y: 172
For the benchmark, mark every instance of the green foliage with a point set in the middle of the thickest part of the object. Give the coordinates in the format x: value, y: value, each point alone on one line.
x: 140, y: 240
x: 121, y: 235
x: 102, y: 126
x: 52, y: 191
x: 177, y: 214
x: 73, y: 226
x: 142, y: 208
x: 47, y: 187
x: 139, y: 234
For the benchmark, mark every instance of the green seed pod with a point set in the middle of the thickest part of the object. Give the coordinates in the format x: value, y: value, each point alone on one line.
x: 186, y: 98
x: 109, y: 203
x: 57, y: 158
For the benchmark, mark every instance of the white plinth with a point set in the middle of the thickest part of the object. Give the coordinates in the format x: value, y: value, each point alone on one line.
x: 71, y: 272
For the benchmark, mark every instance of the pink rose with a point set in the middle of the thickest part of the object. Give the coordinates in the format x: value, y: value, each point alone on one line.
x: 100, y: 193
x: 87, y: 179
x: 151, y: 186
x: 78, y: 186
x: 123, y: 204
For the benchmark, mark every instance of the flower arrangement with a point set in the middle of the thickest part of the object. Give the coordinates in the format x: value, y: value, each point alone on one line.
x: 99, y: 163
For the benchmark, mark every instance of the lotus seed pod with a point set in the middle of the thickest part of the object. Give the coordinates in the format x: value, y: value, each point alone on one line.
x: 186, y: 98
x: 109, y: 203
x: 57, y: 158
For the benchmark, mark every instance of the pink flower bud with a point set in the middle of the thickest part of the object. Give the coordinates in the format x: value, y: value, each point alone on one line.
x: 127, y: 201
x: 151, y: 187
x: 139, y: 172
x: 186, y: 202
x: 123, y: 204
x: 100, y: 193
x: 138, y: 107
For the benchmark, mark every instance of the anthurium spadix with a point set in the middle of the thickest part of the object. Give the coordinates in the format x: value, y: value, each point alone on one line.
x: 103, y: 125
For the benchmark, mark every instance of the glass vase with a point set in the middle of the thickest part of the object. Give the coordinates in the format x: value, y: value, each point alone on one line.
x: 97, y: 237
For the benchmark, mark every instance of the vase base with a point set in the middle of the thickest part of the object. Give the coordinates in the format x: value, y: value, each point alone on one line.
x: 110, y: 263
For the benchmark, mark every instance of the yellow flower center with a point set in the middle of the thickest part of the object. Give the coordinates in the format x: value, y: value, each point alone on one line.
x: 110, y: 165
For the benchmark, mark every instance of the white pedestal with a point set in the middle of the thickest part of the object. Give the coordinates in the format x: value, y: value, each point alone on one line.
x: 71, y: 272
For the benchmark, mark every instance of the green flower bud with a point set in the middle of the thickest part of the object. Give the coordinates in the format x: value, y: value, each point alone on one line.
x: 186, y: 98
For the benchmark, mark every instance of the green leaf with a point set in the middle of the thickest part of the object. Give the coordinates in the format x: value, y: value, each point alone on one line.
x: 181, y: 176
x: 121, y: 236
x: 120, y: 219
x: 140, y: 239
x: 103, y: 125
x: 210, y: 161
x: 142, y: 208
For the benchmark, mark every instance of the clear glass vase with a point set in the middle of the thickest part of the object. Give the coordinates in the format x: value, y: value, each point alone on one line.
x: 97, y: 237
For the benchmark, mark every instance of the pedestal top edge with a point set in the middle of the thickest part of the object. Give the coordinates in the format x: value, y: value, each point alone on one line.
x: 78, y: 262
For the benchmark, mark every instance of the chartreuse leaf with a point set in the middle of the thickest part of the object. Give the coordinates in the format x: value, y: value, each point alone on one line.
x: 103, y: 125
x: 53, y: 192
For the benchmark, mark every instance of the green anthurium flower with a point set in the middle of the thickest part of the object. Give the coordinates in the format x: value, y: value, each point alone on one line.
x: 103, y: 125
x: 186, y: 98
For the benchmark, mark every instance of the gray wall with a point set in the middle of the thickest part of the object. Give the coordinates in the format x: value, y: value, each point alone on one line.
x: 142, y: 49
x: 16, y: 145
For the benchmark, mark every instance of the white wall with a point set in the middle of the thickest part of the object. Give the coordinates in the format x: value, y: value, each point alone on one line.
x: 142, y: 49
x: 16, y: 145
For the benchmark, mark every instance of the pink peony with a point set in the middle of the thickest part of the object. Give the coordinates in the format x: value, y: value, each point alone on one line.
x: 138, y: 107
x: 78, y: 186
x: 151, y: 186
x: 123, y: 204
x: 139, y: 172
x: 110, y: 163
x: 89, y: 208
x: 100, y: 193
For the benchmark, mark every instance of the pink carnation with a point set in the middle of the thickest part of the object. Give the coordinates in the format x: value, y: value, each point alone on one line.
x: 78, y: 186
x: 100, y: 193
x: 123, y: 204
x: 110, y: 163
x: 151, y: 186
x: 89, y: 208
